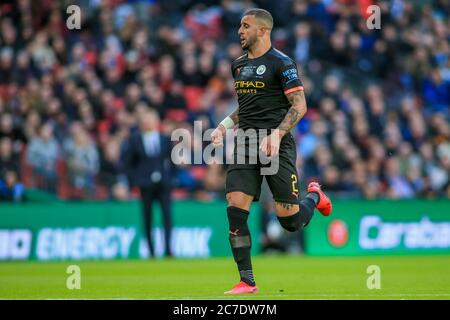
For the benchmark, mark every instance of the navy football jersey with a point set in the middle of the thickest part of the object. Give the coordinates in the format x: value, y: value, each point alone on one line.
x: 261, y: 85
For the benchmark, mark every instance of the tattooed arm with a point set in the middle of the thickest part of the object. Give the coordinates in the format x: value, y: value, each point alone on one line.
x: 271, y: 146
x: 295, y: 113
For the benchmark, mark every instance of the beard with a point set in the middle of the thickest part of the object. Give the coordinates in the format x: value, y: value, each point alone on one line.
x: 249, y: 42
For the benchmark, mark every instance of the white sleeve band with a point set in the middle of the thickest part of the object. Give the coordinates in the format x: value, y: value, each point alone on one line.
x: 228, y: 123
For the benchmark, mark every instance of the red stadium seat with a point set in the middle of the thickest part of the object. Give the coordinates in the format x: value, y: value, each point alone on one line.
x: 177, y: 115
x: 192, y: 95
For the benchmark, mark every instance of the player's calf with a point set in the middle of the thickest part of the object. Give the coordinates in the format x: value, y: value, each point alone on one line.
x: 298, y: 217
x: 240, y: 241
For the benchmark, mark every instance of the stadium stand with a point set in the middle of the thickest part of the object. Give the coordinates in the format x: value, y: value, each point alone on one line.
x: 379, y: 100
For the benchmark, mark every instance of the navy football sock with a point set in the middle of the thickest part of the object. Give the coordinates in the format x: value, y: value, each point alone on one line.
x: 240, y: 241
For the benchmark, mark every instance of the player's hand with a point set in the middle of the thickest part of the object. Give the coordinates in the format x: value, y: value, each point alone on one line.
x: 270, y: 145
x: 217, y: 136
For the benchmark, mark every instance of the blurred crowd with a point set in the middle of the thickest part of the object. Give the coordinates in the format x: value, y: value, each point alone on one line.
x: 378, y: 99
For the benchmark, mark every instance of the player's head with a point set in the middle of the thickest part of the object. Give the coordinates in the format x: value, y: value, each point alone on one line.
x: 255, y: 24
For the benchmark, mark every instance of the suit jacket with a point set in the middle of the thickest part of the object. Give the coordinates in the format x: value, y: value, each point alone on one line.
x: 145, y: 170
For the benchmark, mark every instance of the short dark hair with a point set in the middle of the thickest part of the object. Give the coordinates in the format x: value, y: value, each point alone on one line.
x: 262, y: 15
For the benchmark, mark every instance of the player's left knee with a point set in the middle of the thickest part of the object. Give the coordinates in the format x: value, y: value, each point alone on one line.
x: 292, y: 223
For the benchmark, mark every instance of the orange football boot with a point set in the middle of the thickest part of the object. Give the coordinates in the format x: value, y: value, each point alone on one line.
x: 242, y: 288
x: 324, y: 205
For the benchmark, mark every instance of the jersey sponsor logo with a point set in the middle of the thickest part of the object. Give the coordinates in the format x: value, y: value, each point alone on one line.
x: 249, y: 84
x: 261, y: 69
x: 248, y: 87
x: 290, y: 75
x: 289, y: 72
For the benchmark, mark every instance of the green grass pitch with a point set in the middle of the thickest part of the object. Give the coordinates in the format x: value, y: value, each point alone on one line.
x: 278, y: 277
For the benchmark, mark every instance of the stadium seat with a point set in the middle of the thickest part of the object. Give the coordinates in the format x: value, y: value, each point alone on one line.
x: 192, y: 95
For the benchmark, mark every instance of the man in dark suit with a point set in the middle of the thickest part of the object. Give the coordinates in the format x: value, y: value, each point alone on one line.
x: 147, y: 165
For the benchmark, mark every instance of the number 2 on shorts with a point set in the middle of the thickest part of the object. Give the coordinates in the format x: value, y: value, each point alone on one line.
x: 294, y: 183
